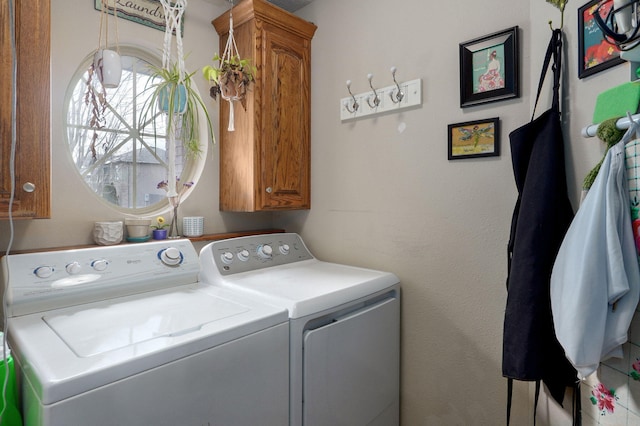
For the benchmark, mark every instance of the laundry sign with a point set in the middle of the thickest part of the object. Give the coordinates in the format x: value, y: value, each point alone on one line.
x: 145, y: 12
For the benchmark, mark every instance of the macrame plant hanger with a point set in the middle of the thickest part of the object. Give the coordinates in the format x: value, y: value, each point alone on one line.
x: 173, y: 22
x: 230, y: 51
x: 104, y: 22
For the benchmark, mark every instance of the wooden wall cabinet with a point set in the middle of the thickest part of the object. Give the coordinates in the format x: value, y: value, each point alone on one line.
x: 32, y: 156
x: 265, y: 162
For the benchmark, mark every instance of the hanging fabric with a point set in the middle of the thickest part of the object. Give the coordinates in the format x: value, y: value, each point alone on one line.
x: 595, y: 284
x: 540, y: 219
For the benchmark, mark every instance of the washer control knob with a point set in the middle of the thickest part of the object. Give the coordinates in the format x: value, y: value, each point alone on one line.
x: 284, y: 249
x: 73, y: 267
x: 99, y: 265
x: 265, y: 251
x: 243, y: 255
x: 227, y: 257
x: 171, y: 256
x: 43, y: 271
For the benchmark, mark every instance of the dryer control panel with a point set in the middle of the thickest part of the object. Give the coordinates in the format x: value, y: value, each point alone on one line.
x: 253, y: 252
x: 54, y: 279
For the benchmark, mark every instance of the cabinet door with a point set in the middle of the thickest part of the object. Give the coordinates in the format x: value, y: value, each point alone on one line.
x: 284, y: 163
x: 32, y: 155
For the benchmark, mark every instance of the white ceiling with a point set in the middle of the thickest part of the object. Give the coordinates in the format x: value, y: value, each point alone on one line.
x: 289, y: 5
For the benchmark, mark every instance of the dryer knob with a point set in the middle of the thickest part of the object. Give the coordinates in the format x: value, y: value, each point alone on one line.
x: 284, y: 249
x: 227, y: 257
x: 73, y: 267
x: 243, y: 255
x: 171, y: 256
x: 265, y: 251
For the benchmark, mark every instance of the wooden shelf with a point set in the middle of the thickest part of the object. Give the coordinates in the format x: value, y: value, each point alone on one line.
x: 207, y: 237
x: 227, y: 235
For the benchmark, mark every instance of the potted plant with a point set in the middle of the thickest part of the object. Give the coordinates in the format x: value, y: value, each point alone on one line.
x: 137, y: 229
x: 174, y: 200
x: 177, y: 98
x: 160, y: 228
x: 230, y: 78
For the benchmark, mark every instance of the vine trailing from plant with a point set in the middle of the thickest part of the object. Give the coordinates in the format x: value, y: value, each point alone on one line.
x: 96, y: 98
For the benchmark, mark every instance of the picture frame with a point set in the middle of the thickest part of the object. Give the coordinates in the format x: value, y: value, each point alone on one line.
x: 473, y: 139
x: 490, y: 68
x: 595, y: 54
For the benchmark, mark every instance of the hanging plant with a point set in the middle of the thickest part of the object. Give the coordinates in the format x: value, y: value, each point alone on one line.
x: 174, y: 95
x: 232, y: 76
x: 179, y: 102
x: 104, y: 72
x: 106, y: 61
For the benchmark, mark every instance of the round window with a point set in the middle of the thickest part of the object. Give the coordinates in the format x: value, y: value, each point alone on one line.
x: 119, y: 152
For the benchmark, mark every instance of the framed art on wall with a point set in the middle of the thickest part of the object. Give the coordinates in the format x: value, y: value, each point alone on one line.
x: 489, y: 68
x: 471, y: 139
x: 594, y: 52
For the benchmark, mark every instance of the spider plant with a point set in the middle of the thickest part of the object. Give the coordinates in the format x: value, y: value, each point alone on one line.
x: 179, y: 101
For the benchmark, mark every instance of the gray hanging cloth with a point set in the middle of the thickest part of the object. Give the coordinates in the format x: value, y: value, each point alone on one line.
x: 540, y: 220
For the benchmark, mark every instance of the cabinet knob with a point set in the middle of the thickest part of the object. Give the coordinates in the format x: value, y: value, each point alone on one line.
x: 28, y: 187
x: 269, y: 190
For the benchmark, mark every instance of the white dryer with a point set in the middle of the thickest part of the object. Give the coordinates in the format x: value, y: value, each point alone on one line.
x: 345, y: 326
x: 126, y: 335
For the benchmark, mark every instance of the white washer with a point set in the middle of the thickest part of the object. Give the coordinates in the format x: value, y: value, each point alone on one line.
x: 345, y: 326
x: 126, y: 335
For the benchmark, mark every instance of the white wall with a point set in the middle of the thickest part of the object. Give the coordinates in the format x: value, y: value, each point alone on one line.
x: 381, y: 197
x: 391, y: 200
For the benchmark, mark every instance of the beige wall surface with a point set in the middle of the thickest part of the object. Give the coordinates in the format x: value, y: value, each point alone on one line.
x: 384, y: 194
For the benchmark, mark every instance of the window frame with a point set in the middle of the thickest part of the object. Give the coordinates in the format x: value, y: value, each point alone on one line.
x: 193, y: 165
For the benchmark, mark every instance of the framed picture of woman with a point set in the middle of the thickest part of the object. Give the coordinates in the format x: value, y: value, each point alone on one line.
x: 489, y: 69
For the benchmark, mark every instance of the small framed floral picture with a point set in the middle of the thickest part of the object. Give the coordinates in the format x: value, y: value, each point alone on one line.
x: 594, y: 52
x: 480, y: 138
x: 489, y: 68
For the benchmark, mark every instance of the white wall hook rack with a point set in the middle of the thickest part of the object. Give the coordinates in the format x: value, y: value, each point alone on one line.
x: 396, y: 97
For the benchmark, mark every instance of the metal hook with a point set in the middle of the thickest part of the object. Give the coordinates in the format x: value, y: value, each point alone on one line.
x: 399, y: 96
x: 355, y: 105
x: 376, y: 98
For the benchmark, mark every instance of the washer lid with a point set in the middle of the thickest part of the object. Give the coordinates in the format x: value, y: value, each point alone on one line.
x: 95, y: 331
x: 70, y: 351
x: 309, y: 286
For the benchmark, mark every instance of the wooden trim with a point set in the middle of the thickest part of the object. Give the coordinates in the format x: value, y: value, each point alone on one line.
x: 208, y: 237
x: 247, y: 10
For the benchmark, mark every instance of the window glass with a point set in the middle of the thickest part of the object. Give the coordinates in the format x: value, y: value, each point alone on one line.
x: 119, y: 157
